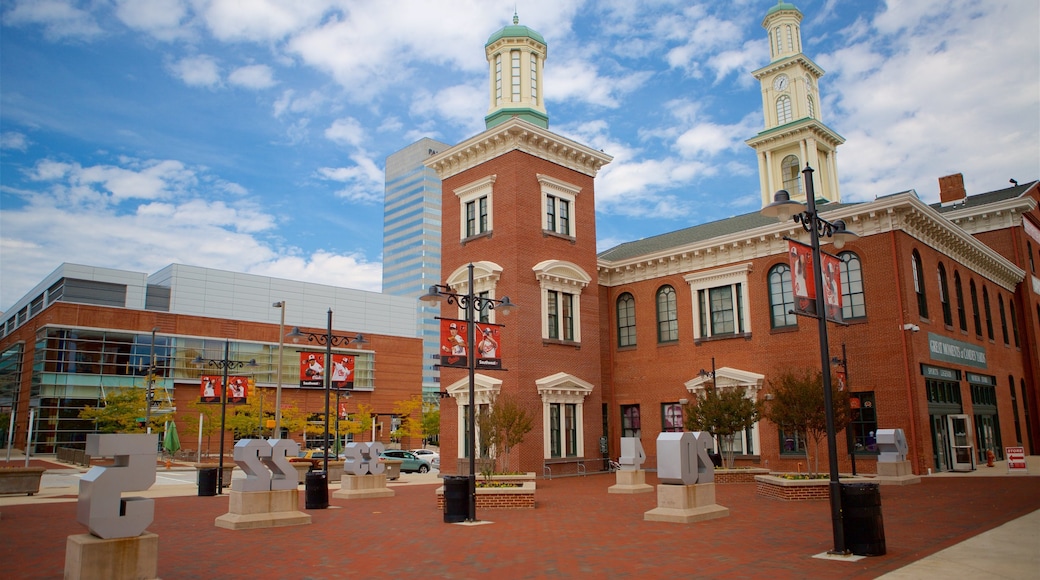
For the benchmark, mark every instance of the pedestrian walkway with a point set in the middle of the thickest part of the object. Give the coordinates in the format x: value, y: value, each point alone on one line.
x: 983, y: 525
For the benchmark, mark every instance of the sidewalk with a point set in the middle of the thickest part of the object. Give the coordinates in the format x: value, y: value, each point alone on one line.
x: 982, y: 524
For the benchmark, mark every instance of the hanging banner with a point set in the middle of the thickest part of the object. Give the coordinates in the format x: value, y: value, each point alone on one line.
x: 237, y: 392
x: 454, y: 352
x: 342, y: 371
x: 210, y: 390
x: 312, y: 370
x: 804, y: 282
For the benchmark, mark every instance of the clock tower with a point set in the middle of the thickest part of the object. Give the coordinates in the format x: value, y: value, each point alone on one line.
x: 795, y: 134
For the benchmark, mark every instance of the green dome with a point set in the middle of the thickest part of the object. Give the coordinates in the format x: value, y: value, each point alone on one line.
x: 781, y: 5
x: 514, y: 31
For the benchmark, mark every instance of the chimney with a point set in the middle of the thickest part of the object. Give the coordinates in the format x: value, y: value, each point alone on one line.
x: 951, y: 189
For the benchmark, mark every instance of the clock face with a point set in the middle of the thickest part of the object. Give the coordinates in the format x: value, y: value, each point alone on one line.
x: 780, y: 82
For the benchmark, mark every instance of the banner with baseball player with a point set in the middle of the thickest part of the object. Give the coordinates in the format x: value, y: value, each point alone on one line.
x: 804, y: 282
x: 488, y: 339
x: 237, y: 392
x: 313, y: 367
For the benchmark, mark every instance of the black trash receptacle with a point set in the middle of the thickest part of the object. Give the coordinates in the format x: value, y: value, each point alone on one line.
x: 316, y: 486
x: 863, y: 527
x: 207, y: 479
x: 456, y: 494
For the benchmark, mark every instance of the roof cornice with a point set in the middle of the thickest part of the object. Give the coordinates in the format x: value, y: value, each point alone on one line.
x: 795, y: 129
x: 786, y: 63
x: 517, y: 135
x: 900, y: 212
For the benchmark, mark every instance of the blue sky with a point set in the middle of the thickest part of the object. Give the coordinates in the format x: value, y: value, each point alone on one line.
x: 251, y: 135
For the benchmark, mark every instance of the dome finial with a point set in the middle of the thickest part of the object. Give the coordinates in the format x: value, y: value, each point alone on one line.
x: 516, y: 18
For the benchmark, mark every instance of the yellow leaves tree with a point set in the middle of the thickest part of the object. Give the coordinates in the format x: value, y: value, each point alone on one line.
x: 410, y: 411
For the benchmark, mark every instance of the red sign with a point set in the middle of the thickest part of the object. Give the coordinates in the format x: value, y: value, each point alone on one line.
x: 454, y: 340
x: 803, y: 281
x: 237, y: 392
x: 831, y: 286
x: 313, y: 368
x: 1016, y: 459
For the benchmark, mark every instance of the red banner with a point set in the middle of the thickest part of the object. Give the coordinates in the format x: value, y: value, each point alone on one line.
x: 237, y: 392
x: 803, y: 281
x: 832, y: 286
x: 455, y: 350
x: 313, y: 368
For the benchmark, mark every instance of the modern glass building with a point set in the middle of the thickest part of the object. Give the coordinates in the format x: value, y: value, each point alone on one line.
x: 412, y: 243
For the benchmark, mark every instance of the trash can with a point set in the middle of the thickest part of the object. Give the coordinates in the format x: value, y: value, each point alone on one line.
x: 316, y: 486
x: 456, y: 494
x: 861, y: 519
x: 207, y: 480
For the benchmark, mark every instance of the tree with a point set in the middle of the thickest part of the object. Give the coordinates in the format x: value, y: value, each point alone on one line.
x: 502, y: 425
x: 410, y: 425
x: 798, y: 405
x: 123, y: 412
x: 431, y: 424
x: 723, y: 413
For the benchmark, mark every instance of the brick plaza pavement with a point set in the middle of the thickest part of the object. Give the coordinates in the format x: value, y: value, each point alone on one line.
x: 577, y: 529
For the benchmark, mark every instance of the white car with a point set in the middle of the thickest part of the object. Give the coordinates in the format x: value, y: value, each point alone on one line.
x: 429, y: 455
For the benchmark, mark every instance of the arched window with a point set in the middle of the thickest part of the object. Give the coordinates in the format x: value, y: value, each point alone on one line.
x: 1029, y: 250
x: 781, y: 297
x: 783, y: 110
x: 776, y: 37
x: 1014, y: 321
x: 922, y: 298
x: 812, y: 106
x: 790, y: 39
x: 944, y: 296
x: 989, y: 314
x: 1003, y: 319
x: 789, y: 172
x: 667, y: 315
x: 975, y: 309
x: 626, y: 320
x: 853, y: 302
x: 961, y: 315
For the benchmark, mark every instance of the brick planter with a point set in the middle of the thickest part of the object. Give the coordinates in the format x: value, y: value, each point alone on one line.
x: 782, y: 489
x: 738, y: 475
x: 21, y: 479
x: 499, y: 498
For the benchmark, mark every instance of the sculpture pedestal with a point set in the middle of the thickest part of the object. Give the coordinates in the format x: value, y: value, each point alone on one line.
x: 263, y: 509
x: 630, y: 481
x: 363, y: 487
x: 88, y: 556
x: 896, y: 473
x: 685, y: 504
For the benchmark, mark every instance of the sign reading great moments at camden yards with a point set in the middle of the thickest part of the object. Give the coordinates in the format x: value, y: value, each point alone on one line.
x: 453, y: 345
x: 955, y: 351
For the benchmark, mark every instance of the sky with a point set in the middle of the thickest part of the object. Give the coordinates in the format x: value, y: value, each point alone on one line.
x: 251, y: 135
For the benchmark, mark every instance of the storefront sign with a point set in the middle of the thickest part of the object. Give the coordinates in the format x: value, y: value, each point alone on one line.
x: 976, y: 379
x: 940, y: 373
x: 1016, y: 459
x: 955, y: 351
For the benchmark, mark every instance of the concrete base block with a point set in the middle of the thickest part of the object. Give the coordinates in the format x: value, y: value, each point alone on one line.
x: 263, y: 509
x: 894, y: 468
x: 685, y: 504
x: 897, y: 480
x: 363, y: 487
x: 88, y: 557
x: 630, y: 482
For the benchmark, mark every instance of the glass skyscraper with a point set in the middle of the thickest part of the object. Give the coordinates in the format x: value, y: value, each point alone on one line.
x: 412, y: 243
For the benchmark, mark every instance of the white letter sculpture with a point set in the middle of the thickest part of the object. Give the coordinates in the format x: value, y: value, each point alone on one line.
x: 101, y: 506
x: 632, y: 454
x: 892, y: 445
x: 682, y: 458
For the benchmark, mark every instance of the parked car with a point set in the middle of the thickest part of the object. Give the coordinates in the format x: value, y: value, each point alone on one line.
x: 412, y: 462
x: 429, y: 455
x: 316, y: 457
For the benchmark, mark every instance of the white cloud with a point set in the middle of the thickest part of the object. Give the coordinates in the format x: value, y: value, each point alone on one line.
x: 61, y: 19
x: 350, y: 270
x: 160, y: 18
x: 197, y: 71
x: 346, y: 131
x: 254, y: 76
x: 14, y: 140
x: 463, y: 105
x: 364, y: 180
x: 260, y: 21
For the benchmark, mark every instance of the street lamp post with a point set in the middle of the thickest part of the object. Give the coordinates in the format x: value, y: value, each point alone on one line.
x: 783, y: 208
x: 278, y: 389
x: 329, y: 340
x: 849, y: 439
x: 471, y: 303
x: 150, y: 389
x: 714, y: 385
x: 224, y: 364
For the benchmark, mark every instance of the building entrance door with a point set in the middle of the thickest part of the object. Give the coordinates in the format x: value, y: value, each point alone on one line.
x: 940, y: 443
x: 962, y: 452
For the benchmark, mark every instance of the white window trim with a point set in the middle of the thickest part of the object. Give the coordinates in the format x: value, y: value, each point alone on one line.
x: 485, y: 389
x: 560, y: 190
x: 562, y: 277
x: 472, y: 192
x: 563, y: 388
x: 721, y: 277
x: 485, y: 279
x: 728, y: 378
